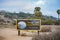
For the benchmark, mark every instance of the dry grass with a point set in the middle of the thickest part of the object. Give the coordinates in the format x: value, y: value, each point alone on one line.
x: 53, y: 35
x: 45, y: 29
x: 23, y: 34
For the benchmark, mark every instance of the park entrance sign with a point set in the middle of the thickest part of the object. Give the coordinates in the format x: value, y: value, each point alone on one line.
x: 28, y: 24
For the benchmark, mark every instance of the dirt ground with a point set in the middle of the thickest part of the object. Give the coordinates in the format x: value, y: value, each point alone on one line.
x: 11, y: 34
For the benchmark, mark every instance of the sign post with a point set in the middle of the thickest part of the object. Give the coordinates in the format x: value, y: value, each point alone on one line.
x: 18, y: 32
x: 17, y: 27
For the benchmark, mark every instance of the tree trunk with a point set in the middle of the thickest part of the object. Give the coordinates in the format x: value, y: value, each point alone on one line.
x: 58, y: 17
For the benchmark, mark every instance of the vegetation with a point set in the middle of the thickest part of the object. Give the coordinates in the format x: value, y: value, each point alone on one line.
x: 46, y: 20
x: 53, y: 35
x: 58, y: 12
x: 38, y: 14
x: 45, y: 29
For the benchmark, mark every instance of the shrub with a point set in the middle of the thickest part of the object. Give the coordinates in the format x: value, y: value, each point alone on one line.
x: 23, y: 34
x: 45, y: 29
x: 57, y: 22
x: 54, y: 35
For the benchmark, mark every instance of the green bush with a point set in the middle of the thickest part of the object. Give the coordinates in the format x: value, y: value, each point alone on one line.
x: 57, y: 22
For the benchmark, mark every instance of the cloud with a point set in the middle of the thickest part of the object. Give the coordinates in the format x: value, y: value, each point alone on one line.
x: 16, y: 5
x: 47, y: 6
x: 40, y: 2
x: 21, y: 4
x: 13, y: 3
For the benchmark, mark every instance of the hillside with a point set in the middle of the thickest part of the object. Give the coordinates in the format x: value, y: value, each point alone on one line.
x: 23, y: 15
x: 9, y: 16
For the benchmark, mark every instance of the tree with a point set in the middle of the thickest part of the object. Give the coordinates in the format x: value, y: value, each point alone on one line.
x: 58, y: 12
x: 37, y: 12
x: 37, y: 9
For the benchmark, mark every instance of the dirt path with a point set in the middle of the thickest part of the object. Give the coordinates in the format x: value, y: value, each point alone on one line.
x: 11, y: 34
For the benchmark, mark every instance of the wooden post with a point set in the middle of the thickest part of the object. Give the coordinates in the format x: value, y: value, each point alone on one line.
x: 18, y: 27
x: 18, y: 32
x: 38, y: 32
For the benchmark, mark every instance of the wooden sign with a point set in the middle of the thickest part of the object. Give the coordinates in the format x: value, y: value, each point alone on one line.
x: 28, y: 24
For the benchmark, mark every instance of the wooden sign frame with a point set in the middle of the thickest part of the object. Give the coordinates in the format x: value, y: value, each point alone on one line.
x: 28, y: 30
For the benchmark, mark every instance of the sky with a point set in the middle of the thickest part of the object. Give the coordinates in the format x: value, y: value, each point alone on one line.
x: 48, y: 7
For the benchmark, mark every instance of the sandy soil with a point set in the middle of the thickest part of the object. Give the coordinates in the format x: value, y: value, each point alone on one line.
x: 11, y: 34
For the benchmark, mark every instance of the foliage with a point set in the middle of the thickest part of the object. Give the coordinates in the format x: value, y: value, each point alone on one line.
x: 38, y: 13
x: 37, y: 9
x: 58, y: 12
x: 48, y: 22
x: 57, y: 22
